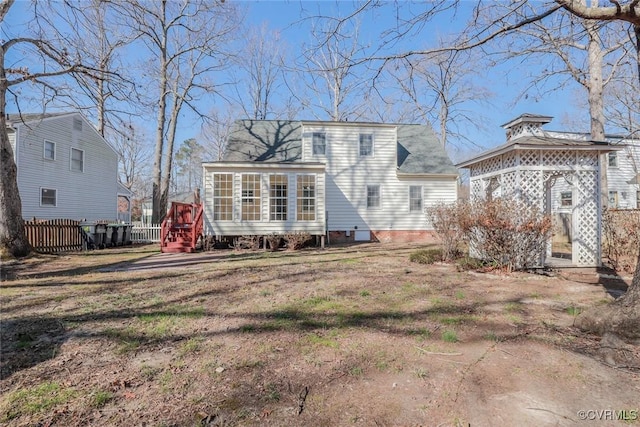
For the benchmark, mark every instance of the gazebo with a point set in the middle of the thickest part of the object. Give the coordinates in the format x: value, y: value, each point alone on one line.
x: 561, y: 176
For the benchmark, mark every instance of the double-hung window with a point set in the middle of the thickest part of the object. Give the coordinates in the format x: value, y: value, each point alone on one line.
x: 613, y: 159
x: 415, y: 198
x: 49, y: 150
x: 278, y: 197
x: 77, y: 160
x: 319, y: 144
x: 223, y: 197
x: 306, y: 198
x: 251, y: 197
x: 366, y: 144
x: 373, y: 196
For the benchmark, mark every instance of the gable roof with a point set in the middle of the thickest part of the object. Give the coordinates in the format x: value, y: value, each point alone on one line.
x: 418, y: 148
x: 21, y: 118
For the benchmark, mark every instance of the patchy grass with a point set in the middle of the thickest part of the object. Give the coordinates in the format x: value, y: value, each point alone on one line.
x: 249, y: 338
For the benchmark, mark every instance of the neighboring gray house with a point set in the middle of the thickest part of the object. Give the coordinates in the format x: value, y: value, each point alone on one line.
x: 350, y: 181
x: 66, y: 169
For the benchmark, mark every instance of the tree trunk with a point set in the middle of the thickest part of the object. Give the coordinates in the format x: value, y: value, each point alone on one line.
x: 13, y: 241
x: 596, y: 103
x: 622, y: 317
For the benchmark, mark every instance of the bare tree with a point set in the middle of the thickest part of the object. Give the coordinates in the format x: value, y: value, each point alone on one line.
x: 52, y: 59
x: 441, y: 88
x: 90, y: 29
x: 215, y: 133
x: 333, y: 83
x: 186, y: 42
x: 260, y: 78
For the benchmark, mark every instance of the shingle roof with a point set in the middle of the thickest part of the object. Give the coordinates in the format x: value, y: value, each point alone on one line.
x: 30, y: 117
x: 419, y: 150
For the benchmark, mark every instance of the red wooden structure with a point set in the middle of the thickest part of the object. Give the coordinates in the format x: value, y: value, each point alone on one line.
x: 181, y: 227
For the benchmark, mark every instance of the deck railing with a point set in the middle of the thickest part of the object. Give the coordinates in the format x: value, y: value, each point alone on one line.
x: 145, y: 233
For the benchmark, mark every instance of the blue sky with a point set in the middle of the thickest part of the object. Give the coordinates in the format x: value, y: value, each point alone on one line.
x: 505, y: 81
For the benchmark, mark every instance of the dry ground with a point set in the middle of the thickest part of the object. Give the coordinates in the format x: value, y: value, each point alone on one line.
x: 354, y: 335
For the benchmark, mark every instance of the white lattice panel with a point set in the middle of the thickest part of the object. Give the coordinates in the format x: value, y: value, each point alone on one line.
x: 509, y: 160
x: 531, y: 187
x: 476, y: 189
x: 529, y: 158
x: 586, y: 158
x: 508, y: 184
x: 493, y: 164
x: 588, y: 240
x: 558, y: 158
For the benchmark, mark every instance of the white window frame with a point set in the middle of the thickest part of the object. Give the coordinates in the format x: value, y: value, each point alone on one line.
x: 412, y: 199
x: 218, y: 199
x: 612, y: 159
x: 71, y: 160
x: 370, y: 153
x: 563, y: 199
x: 44, y: 150
x: 371, y: 206
x: 306, y: 203
x: 319, y: 135
x: 278, y: 202
x: 250, y: 197
x: 612, y: 200
x: 55, y: 197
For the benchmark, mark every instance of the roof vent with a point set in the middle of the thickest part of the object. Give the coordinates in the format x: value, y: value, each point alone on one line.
x: 77, y: 124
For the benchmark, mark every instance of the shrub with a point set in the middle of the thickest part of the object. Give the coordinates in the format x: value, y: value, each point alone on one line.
x: 247, y: 242
x: 507, y: 233
x: 621, y: 238
x: 274, y: 241
x: 447, y: 220
x: 426, y: 256
x: 296, y: 240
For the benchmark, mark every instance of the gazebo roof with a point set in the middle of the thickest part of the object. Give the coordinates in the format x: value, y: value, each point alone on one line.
x: 540, y: 143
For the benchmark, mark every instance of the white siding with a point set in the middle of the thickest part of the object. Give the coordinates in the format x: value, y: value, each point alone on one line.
x: 90, y: 195
x: 618, y: 177
x: 348, y: 175
x: 265, y: 226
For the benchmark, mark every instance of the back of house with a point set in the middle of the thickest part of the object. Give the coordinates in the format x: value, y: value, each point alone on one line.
x: 347, y: 180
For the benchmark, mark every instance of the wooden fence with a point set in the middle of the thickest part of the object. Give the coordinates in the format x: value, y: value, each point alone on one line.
x: 56, y: 235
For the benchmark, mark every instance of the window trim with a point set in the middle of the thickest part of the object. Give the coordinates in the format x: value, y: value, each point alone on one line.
x: 421, y: 188
x: 313, y: 143
x: 301, y: 198
x: 216, y: 214
x: 283, y: 215
x: 44, y: 150
x: 55, y: 202
x: 379, y: 197
x: 71, y: 160
x: 255, y: 199
x: 615, y: 157
x: 371, y: 153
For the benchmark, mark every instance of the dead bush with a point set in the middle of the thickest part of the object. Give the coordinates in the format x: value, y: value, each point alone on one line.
x: 274, y: 241
x: 296, y: 240
x: 621, y: 238
x: 447, y: 220
x: 506, y: 233
x: 247, y: 242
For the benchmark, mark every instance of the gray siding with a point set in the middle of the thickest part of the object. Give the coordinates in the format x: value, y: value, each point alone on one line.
x: 90, y: 195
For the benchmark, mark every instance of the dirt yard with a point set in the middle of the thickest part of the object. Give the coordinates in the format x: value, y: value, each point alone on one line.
x: 352, y: 335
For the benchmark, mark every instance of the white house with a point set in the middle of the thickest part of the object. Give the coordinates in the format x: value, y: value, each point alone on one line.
x: 349, y: 181
x: 66, y: 169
